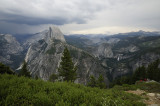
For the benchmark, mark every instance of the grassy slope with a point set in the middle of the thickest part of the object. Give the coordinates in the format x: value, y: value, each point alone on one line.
x: 24, y: 91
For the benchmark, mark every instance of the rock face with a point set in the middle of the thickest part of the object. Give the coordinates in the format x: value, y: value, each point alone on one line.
x: 122, y: 53
x: 144, y: 60
x: 113, y: 40
x: 54, y: 33
x: 46, y: 34
x: 34, y: 38
x: 44, y: 56
x: 10, y: 49
x: 129, y: 48
x: 104, y: 50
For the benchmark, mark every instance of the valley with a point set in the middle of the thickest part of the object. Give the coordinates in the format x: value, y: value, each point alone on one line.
x: 113, y: 56
x: 110, y: 67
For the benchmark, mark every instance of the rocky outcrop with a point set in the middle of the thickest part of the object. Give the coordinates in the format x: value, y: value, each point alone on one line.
x: 10, y: 49
x: 9, y: 45
x: 144, y: 60
x: 103, y: 50
x: 113, y: 41
x: 129, y: 66
x: 129, y: 48
x: 54, y: 33
x: 33, y: 38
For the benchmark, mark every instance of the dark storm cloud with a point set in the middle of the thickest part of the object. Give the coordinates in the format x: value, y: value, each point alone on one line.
x: 37, y: 21
x: 79, y: 15
x: 13, y: 28
x: 57, y: 12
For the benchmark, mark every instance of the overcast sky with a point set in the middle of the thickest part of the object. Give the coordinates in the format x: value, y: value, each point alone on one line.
x: 79, y: 16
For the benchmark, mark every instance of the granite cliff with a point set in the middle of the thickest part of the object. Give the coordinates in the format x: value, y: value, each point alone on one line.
x: 44, y: 56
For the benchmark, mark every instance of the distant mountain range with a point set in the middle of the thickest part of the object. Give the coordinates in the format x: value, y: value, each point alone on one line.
x: 121, y: 53
x: 113, y: 56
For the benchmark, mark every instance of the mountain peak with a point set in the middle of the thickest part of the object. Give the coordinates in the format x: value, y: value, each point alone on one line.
x: 55, y: 33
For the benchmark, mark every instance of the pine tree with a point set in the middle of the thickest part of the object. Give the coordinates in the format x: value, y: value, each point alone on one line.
x: 139, y: 74
x: 36, y: 77
x: 92, y: 81
x: 153, y: 72
x: 5, y: 69
x: 150, y: 70
x: 67, y: 69
x: 24, y: 71
x: 100, y: 82
x: 97, y: 83
x: 158, y: 75
x: 53, y: 77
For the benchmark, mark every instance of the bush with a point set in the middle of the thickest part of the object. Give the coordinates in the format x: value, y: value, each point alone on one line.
x: 53, y: 77
x: 16, y: 90
x: 5, y: 69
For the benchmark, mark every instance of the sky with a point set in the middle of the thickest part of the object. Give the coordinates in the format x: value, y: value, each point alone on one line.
x: 79, y: 16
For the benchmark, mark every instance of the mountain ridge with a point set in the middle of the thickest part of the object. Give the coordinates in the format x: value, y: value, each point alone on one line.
x: 116, y: 55
x: 44, y: 56
x: 10, y: 49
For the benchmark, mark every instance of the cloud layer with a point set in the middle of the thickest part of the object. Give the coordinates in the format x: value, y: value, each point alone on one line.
x: 57, y: 12
x: 78, y: 15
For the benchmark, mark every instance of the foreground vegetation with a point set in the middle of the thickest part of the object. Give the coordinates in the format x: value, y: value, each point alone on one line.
x: 16, y: 90
x: 5, y: 69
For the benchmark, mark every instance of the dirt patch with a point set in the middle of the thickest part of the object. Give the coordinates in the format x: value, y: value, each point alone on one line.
x: 150, y: 99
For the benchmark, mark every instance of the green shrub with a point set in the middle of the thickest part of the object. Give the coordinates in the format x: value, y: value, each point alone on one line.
x: 16, y: 90
x: 5, y: 69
